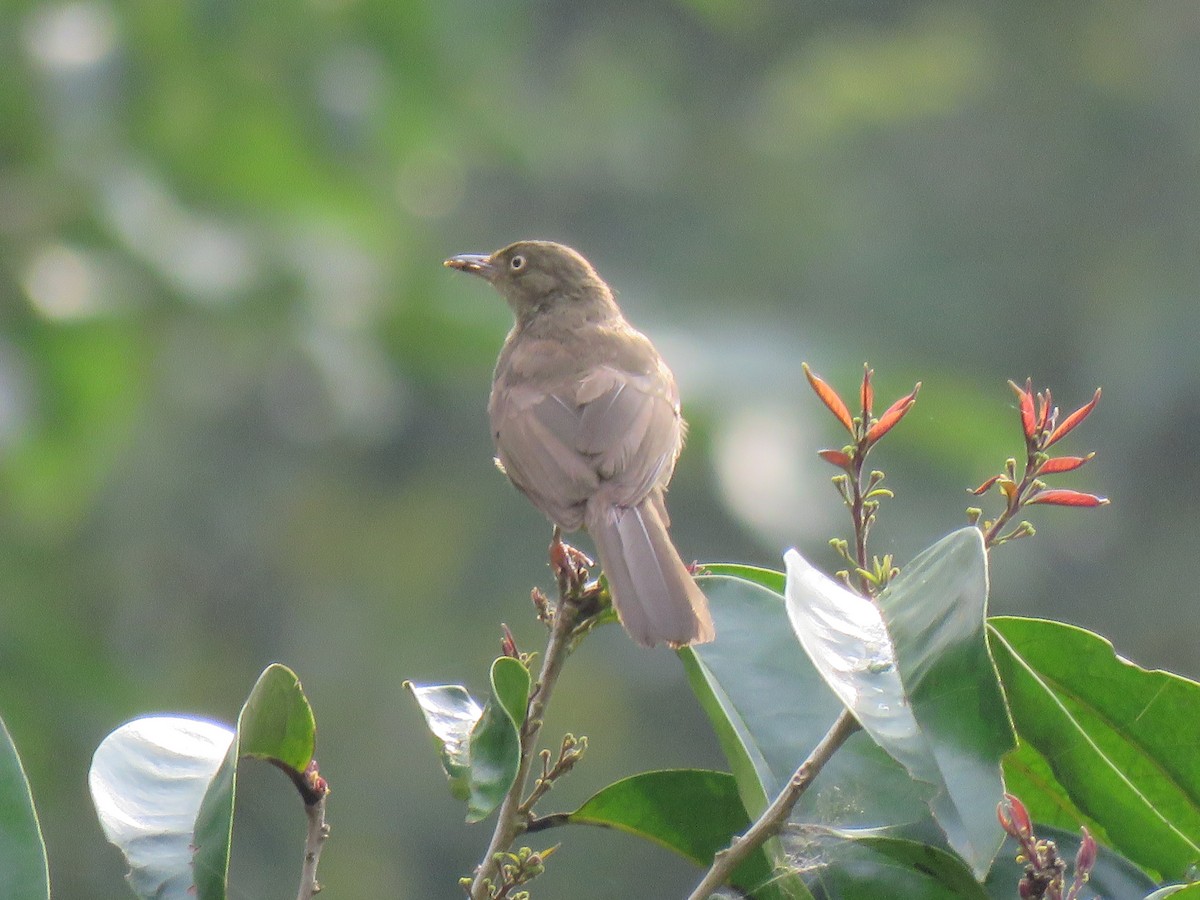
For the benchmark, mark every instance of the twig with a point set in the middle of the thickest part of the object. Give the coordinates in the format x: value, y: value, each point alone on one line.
x: 773, y: 819
x: 511, y: 821
x: 544, y: 823
x: 314, y: 842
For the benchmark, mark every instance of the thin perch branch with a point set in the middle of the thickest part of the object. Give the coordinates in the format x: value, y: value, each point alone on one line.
x: 773, y: 819
x: 314, y: 842
x: 510, y: 822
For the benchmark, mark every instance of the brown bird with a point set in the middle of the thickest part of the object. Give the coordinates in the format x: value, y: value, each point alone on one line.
x: 585, y: 415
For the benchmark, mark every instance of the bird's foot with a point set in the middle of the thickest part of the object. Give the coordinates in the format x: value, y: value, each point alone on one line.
x: 571, y: 566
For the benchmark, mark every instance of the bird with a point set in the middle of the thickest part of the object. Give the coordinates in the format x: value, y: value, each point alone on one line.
x: 586, y: 420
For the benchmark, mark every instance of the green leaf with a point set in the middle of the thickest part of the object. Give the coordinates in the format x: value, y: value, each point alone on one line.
x: 1178, y: 891
x: 770, y: 579
x: 495, y: 741
x: 1027, y: 775
x: 480, y: 746
x: 769, y: 708
x: 870, y: 868
x: 694, y: 812
x: 936, y: 614
x: 23, y: 871
x: 1123, y: 743
x: 276, y: 724
x: 915, y: 671
x: 147, y: 780
x: 450, y: 715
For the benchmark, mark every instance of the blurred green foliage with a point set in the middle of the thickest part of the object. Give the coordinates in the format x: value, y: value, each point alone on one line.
x: 241, y: 405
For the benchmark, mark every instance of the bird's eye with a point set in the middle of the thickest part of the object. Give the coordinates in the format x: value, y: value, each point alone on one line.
x: 517, y: 263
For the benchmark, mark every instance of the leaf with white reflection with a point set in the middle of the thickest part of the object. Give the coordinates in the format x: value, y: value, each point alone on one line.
x: 147, y: 781
x: 916, y: 672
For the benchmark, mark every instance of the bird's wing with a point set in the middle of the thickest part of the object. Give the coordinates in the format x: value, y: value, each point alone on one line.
x: 612, y: 433
x: 535, y: 436
x: 630, y: 426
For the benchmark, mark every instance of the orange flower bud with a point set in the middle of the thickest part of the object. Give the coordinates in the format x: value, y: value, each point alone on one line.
x: 830, y: 398
x: 893, y: 415
x: 1064, y: 464
x: 1073, y: 419
x: 1025, y: 396
x: 837, y: 457
x: 867, y: 394
x: 983, y: 488
x: 1062, y: 497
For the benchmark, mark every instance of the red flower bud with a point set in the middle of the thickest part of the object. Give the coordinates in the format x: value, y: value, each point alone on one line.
x: 837, y: 457
x: 1025, y: 396
x: 1073, y: 419
x: 893, y: 415
x: 983, y: 488
x: 1014, y: 817
x: 1045, y: 404
x: 508, y: 644
x: 867, y: 395
x: 1064, y: 464
x: 830, y: 398
x: 1085, y: 859
x: 1060, y: 497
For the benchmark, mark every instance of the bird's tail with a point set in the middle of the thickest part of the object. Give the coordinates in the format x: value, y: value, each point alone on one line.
x: 654, y: 594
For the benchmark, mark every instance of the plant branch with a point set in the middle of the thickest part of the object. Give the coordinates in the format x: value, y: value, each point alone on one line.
x: 776, y: 815
x: 314, y: 842
x: 512, y: 820
x: 544, y: 823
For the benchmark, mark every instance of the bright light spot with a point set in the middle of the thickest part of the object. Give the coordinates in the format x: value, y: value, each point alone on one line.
x: 765, y: 477
x: 72, y: 36
x: 62, y: 283
x: 342, y: 279
x: 206, y: 258
x: 209, y: 260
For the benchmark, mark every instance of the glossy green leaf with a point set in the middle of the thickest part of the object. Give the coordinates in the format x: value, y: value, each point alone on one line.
x: 915, y: 671
x: 450, y: 714
x: 769, y: 708
x: 694, y: 812
x: 277, y: 724
x: 768, y: 578
x: 480, y: 746
x: 936, y: 615
x: 1027, y: 775
x: 495, y: 741
x: 147, y: 780
x: 1177, y: 891
x: 870, y: 868
x: 1122, y: 743
x: 23, y: 871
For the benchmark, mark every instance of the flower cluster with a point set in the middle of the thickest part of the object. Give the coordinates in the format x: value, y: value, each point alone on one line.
x: 515, y: 869
x: 861, y: 491
x: 1042, y: 430
x: 1045, y: 871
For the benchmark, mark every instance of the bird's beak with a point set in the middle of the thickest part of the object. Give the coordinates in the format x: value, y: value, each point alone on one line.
x: 475, y: 263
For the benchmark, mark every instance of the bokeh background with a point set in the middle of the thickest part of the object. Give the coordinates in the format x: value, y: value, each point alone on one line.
x: 242, y: 404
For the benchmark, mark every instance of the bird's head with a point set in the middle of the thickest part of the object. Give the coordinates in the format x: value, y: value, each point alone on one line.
x: 534, y: 275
